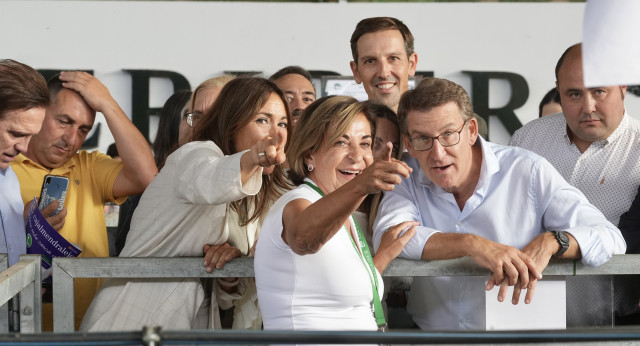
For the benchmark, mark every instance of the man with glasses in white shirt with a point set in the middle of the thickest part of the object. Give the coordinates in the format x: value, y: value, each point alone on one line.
x: 458, y: 191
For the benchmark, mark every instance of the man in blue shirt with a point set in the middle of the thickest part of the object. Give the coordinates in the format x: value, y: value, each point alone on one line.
x: 23, y: 100
x: 479, y: 199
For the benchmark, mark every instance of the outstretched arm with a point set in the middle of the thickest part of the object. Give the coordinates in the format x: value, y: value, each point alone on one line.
x: 139, y: 167
x: 308, y: 226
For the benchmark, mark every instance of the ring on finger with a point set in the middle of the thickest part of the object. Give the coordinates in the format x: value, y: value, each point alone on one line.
x: 260, y: 154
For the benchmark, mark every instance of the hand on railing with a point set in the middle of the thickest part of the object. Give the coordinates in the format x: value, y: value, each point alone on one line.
x: 215, y: 256
x: 509, y: 266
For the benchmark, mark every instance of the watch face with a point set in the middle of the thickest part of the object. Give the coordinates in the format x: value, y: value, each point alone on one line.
x: 563, y: 237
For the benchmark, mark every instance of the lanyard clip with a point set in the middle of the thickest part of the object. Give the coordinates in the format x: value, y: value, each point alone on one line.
x: 383, y: 328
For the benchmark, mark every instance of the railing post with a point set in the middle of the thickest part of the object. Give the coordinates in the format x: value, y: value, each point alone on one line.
x: 31, y: 299
x: 63, y: 313
x: 4, y: 309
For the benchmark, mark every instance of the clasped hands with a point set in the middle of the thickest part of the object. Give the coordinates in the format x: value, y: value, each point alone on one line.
x: 512, y: 267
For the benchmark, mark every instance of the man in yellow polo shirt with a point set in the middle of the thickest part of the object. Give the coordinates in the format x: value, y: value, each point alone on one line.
x: 94, y: 178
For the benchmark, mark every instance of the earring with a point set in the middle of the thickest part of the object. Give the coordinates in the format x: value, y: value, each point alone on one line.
x: 310, y: 168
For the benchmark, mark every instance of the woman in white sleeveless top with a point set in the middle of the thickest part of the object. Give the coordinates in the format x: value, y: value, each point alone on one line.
x: 313, y: 268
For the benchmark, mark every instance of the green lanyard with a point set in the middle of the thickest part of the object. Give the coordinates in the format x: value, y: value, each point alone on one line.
x: 366, y: 259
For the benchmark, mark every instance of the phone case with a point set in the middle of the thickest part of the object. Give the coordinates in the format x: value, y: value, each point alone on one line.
x: 54, y: 188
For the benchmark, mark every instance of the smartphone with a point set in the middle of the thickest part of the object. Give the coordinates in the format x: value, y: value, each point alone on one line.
x: 54, y: 188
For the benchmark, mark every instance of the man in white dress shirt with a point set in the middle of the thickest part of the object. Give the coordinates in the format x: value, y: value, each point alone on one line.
x: 594, y: 144
x: 23, y: 100
x: 459, y: 190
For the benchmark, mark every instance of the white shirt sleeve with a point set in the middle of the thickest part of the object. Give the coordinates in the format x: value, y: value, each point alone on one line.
x: 207, y: 176
x: 398, y: 206
x: 567, y: 209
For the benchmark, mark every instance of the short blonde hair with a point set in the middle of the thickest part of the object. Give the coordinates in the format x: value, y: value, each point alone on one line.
x: 325, y: 120
x: 209, y: 83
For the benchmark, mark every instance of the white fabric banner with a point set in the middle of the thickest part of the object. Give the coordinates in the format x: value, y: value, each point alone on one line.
x: 611, y: 46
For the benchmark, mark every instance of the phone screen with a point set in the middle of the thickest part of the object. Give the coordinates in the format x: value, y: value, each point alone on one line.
x: 54, y: 188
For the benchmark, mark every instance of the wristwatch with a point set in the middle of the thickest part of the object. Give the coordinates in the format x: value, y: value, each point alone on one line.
x: 563, y: 239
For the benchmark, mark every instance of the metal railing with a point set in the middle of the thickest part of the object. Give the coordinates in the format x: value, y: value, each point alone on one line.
x: 4, y: 307
x: 65, y: 270
x: 23, y: 277
x: 591, y: 337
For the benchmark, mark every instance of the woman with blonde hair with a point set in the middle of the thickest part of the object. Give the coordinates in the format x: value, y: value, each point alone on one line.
x: 314, y: 269
x: 201, y: 100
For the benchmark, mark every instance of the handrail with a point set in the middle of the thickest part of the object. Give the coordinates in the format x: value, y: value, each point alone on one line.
x: 24, y: 278
x: 66, y: 269
x: 626, y: 335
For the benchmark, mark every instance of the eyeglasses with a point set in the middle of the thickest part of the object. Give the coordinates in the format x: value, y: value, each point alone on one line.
x: 191, y: 116
x: 447, y: 139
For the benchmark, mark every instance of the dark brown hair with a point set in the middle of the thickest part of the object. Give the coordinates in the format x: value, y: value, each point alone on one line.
x: 375, y: 24
x: 430, y: 93
x: 239, y: 101
x: 550, y: 97
x: 290, y: 70
x: 54, y: 84
x: 21, y: 87
x: 166, y: 140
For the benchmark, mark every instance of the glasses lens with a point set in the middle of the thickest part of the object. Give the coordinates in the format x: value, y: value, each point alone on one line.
x: 449, y: 139
x: 422, y: 143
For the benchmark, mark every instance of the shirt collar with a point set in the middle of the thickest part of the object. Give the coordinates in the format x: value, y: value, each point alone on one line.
x: 617, y: 133
x: 490, y: 165
x: 66, y: 167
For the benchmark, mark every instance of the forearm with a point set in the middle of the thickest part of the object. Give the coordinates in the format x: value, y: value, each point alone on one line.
x: 312, y: 227
x: 249, y: 165
x: 381, y: 261
x: 450, y: 245
x: 139, y: 168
